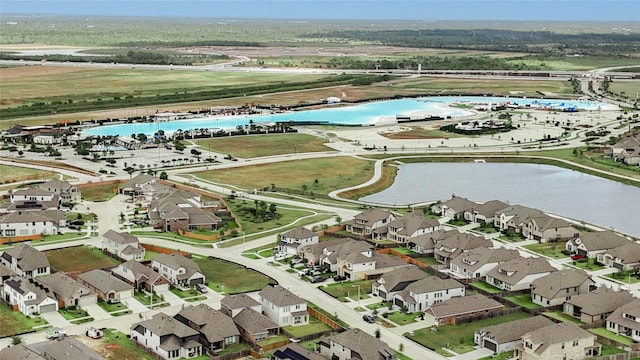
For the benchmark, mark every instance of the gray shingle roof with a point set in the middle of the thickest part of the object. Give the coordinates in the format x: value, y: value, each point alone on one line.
x: 299, y: 233
x: 513, y: 330
x: 478, y: 257
x: 632, y: 308
x: 433, y: 283
x: 19, y: 352
x: 162, y: 325
x: 628, y: 253
x: 121, y: 237
x: 64, y: 286
x: 463, y: 305
x: 103, y: 281
x: 280, y: 296
x: 175, y: 261
x: 238, y: 301
x: 28, y: 258
x: 141, y: 271
x: 213, y: 324
x: 512, y: 271
x: 254, y: 322
x: 70, y: 348
x: 555, y: 334
x: 412, y: 222
x: 398, y: 279
x: 365, y: 345
x: 550, y: 285
x: 601, y: 240
x: 601, y: 301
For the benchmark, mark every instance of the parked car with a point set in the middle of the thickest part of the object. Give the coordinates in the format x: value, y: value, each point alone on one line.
x: 78, y: 222
x: 157, y: 226
x: 317, y: 279
x: 94, y: 333
x: 339, y: 278
x: 369, y: 318
x: 55, y: 334
x: 202, y: 288
x: 577, y: 256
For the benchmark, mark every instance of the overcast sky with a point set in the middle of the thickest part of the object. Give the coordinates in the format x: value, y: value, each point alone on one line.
x: 562, y: 10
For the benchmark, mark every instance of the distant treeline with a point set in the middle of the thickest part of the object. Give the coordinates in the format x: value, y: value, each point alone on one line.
x: 131, y: 57
x: 180, y: 43
x: 432, y: 63
x: 71, y: 105
x: 495, y: 40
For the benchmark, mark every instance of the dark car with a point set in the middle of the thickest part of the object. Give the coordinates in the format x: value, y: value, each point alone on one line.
x: 369, y: 318
x: 78, y: 222
x: 317, y: 279
x: 339, y: 278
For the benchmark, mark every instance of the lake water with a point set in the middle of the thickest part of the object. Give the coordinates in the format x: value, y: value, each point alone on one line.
x: 549, y: 188
x: 361, y: 114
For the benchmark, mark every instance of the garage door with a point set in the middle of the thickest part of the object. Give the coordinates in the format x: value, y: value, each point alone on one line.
x: 490, y: 345
x: 47, y: 308
x: 88, y: 300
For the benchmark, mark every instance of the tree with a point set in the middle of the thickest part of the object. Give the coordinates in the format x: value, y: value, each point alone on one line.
x: 129, y: 171
x: 15, y: 340
x: 272, y: 208
x: 164, y: 176
x: 377, y: 333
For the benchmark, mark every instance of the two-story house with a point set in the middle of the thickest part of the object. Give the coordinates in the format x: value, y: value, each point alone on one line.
x: 596, y: 306
x: 559, y: 286
x: 395, y: 281
x: 292, y: 239
x: 456, y: 244
x: 25, y: 260
x: 508, y: 335
x: 179, y: 270
x: 69, y: 194
x: 28, y: 295
x: 355, y: 344
x: 411, y: 225
x: 421, y: 294
x: 475, y: 263
x: 371, y: 223
x: 283, y: 307
x: 544, y: 228
x: 123, y: 245
x: 167, y: 337
x: 558, y: 341
x: 68, y: 291
x: 454, y: 207
x: 23, y: 223
x: 485, y: 212
x: 514, y: 217
x: 625, y: 320
x: 217, y: 330
x: 142, y: 277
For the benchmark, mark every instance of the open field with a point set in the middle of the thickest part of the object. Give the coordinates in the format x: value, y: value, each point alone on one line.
x: 79, y: 259
x: 629, y: 88
x: 9, y: 174
x: 99, y: 192
x: 15, y: 322
x: 443, y: 86
x: 231, y: 278
x: 258, y: 146
x: 344, y: 171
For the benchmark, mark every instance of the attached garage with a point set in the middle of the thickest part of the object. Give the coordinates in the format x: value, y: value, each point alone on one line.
x: 490, y: 345
x: 88, y: 300
x: 48, y: 308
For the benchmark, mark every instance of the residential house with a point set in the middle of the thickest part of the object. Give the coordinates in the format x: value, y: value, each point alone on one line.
x: 167, y: 337
x: 558, y: 341
x: 358, y: 262
x: 179, y: 270
x: 292, y: 351
x: 426, y: 243
x: 69, y: 348
x: 333, y: 251
x: 513, y: 218
x: 28, y: 295
x: 625, y: 257
x: 33, y: 194
x: 142, y: 277
x: 485, y: 212
x: 421, y: 294
x: 395, y: 281
x: 255, y: 327
x: 231, y: 305
x: 560, y: 286
x: 371, y: 223
x: 355, y: 344
x: 22, y: 223
x: 627, y: 150
x: 313, y: 253
x: 475, y: 263
x: 123, y: 245
x: 507, y: 336
x: 68, y: 193
x: 5, y: 273
x: 448, y: 312
x: 518, y: 274
x: 20, y: 352
x: 68, y: 291
x: 593, y: 244
x: 181, y: 211
x: 109, y: 288
x: 625, y: 320
x: 544, y: 228
x: 134, y: 186
x: 217, y: 330
x: 456, y: 244
x: 25, y: 260
x: 454, y: 207
x: 597, y: 305
x: 283, y: 307
x: 292, y: 239
x: 411, y: 225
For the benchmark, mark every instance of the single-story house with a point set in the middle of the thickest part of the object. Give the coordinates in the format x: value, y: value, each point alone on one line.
x: 355, y: 344
x: 597, y: 305
x: 68, y: 291
x: 448, y: 312
x: 109, y: 288
x: 475, y: 263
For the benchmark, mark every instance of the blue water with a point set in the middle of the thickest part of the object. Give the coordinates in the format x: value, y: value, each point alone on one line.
x: 362, y: 114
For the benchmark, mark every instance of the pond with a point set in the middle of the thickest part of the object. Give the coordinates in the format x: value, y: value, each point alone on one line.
x: 552, y: 189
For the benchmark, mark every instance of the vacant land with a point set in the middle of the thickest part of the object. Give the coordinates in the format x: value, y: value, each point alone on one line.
x: 261, y: 145
x: 484, y: 86
x: 79, y: 259
x: 417, y: 132
x: 14, y: 322
x: 231, y: 278
x: 330, y: 173
x: 10, y: 174
x: 99, y: 192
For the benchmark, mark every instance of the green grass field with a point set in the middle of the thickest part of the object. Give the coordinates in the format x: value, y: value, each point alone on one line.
x: 231, y: 278
x: 99, y: 192
x: 331, y: 173
x: 349, y: 289
x: 14, y: 322
x: 79, y: 258
x: 116, y: 345
x: 9, y: 174
x: 261, y: 145
x: 475, y: 86
x: 314, y: 327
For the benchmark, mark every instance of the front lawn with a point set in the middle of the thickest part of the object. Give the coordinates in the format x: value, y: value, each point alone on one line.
x: 502, y: 356
x: 184, y: 293
x: 402, y: 318
x: 625, y: 277
x: 349, y: 289
x: 111, y: 307
x: 231, y: 278
x: 315, y: 326
x: 79, y: 259
x: 145, y: 299
x: 588, y: 264
x: 559, y: 315
x: 72, y: 312
x: 458, y: 338
x: 14, y: 322
x: 523, y: 300
x: 552, y: 250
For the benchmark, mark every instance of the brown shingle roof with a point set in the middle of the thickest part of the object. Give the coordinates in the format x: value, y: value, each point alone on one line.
x: 121, y: 237
x: 512, y: 271
x: 64, y: 286
x: 556, y: 333
x: 103, y: 281
x: 601, y: 240
x: 364, y: 345
x: 513, y: 330
x: 463, y: 305
x: 19, y: 352
x: 398, y: 279
x: 213, y: 324
x: 238, y: 301
x: 478, y: 257
x: 162, y: 324
x: 550, y: 285
x: 632, y: 308
x: 254, y: 322
x: 176, y: 261
x: 27, y: 257
x: 280, y: 296
x: 601, y: 301
x: 70, y: 348
x: 299, y: 233
x: 628, y: 253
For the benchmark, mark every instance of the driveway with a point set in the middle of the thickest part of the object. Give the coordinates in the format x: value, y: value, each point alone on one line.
x: 55, y: 319
x: 96, y: 312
